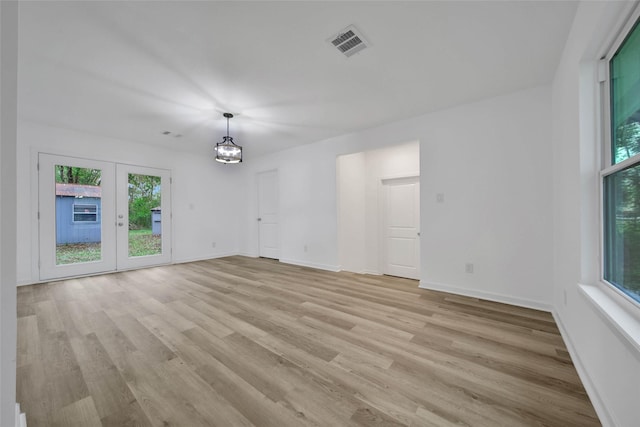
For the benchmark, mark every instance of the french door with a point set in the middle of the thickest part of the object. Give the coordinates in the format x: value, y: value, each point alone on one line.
x: 96, y: 216
x: 143, y: 220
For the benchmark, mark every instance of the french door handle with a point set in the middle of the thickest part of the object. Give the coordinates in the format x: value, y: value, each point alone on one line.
x: 259, y: 219
x: 120, y: 224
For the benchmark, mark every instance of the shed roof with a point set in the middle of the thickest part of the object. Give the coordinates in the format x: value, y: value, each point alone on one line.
x: 78, y: 190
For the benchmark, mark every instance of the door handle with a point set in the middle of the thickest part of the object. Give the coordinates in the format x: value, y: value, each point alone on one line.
x: 259, y: 219
x: 418, y: 233
x: 120, y: 224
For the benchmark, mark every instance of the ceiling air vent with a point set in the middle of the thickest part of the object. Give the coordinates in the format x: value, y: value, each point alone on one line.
x: 349, y: 41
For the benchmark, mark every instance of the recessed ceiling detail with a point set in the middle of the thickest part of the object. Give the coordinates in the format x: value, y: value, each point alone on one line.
x: 349, y: 41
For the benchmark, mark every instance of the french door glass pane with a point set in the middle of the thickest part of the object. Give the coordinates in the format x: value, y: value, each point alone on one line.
x: 78, y: 214
x: 145, y: 215
x: 622, y: 230
x: 625, y: 98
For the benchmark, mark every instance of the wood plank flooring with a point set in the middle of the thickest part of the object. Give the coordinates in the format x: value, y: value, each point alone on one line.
x: 239, y: 341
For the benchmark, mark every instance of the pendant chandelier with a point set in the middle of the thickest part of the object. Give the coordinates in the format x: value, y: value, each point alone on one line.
x: 227, y: 151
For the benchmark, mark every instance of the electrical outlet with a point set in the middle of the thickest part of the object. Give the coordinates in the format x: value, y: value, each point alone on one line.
x: 305, y: 248
x: 565, y: 297
x: 468, y: 268
x: 440, y: 197
x: 213, y: 244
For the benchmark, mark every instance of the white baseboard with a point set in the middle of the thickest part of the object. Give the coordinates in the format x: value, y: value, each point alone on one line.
x: 204, y: 258
x: 587, y: 382
x: 21, y: 418
x: 248, y: 254
x: 334, y: 268
x: 506, y: 299
x: 365, y: 271
x: 25, y: 283
x: 373, y: 273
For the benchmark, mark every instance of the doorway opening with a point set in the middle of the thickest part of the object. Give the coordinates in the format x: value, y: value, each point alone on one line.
x: 379, y: 211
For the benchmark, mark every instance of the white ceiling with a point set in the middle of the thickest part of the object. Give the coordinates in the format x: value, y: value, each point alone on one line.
x: 132, y: 70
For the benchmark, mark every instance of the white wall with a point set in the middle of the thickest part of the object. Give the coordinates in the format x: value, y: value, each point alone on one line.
x: 8, y: 119
x: 307, y: 202
x: 359, y: 179
x: 608, y: 363
x: 352, y: 211
x: 492, y: 161
x: 203, y: 210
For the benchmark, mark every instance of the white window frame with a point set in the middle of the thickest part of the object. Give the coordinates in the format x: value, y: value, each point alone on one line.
x: 607, y: 168
x: 73, y: 213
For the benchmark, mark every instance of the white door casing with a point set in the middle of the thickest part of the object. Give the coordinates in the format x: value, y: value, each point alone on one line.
x: 401, y: 227
x: 268, y: 232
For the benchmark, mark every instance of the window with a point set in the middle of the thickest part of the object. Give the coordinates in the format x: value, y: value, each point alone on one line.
x: 621, y: 175
x: 85, y: 213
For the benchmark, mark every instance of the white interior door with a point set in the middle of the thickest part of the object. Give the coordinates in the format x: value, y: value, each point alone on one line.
x: 401, y: 227
x: 76, y: 207
x: 143, y: 216
x: 96, y: 217
x: 268, y: 214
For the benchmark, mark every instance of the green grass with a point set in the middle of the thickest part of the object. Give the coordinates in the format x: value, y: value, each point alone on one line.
x: 141, y: 243
x: 73, y: 253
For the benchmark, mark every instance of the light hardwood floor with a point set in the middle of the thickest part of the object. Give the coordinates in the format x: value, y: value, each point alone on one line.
x: 240, y: 341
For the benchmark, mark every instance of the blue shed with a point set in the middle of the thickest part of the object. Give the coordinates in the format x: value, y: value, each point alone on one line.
x: 156, y: 221
x: 78, y: 213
